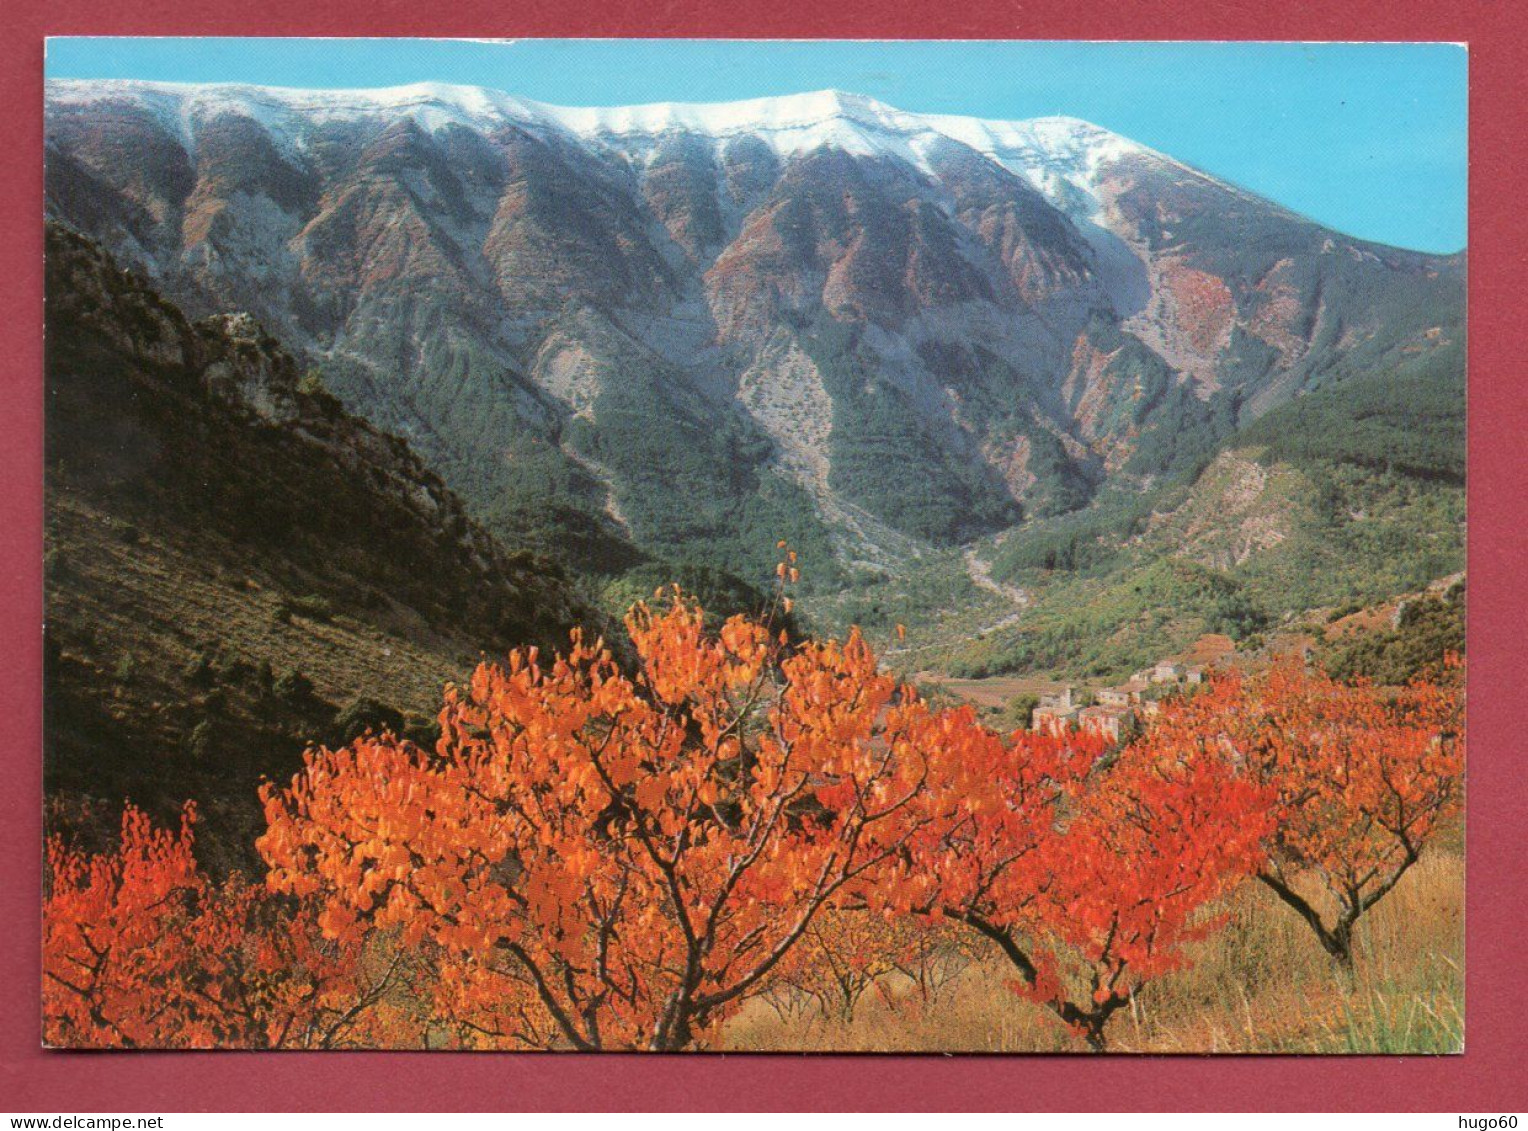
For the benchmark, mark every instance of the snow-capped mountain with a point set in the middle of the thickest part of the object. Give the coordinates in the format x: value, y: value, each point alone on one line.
x: 1049, y: 152
x: 699, y: 327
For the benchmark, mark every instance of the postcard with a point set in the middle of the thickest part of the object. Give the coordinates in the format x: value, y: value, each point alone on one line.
x: 714, y: 546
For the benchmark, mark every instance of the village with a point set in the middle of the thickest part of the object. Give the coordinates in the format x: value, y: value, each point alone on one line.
x: 1115, y: 711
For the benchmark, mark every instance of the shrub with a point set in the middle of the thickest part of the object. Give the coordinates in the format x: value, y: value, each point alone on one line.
x: 293, y: 687
x: 230, y: 669
x: 199, y: 741
x: 421, y: 731
x: 1019, y: 712
x: 361, y: 715
x: 126, y: 668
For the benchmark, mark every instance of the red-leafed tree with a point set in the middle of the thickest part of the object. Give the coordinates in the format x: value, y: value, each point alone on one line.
x: 1362, y: 777
x: 629, y: 855
x: 1090, y: 879
x: 141, y: 949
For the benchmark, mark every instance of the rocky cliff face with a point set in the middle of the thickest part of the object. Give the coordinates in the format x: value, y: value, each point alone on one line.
x: 814, y: 293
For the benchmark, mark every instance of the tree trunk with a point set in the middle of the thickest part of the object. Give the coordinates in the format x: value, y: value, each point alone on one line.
x: 1093, y: 1021
x: 1339, y: 944
x: 1093, y: 1033
x: 1336, y: 940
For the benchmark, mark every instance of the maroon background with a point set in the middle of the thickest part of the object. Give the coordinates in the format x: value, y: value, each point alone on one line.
x: 1489, y: 1076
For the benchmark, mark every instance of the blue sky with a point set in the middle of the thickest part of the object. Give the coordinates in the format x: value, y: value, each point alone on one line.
x: 1368, y: 138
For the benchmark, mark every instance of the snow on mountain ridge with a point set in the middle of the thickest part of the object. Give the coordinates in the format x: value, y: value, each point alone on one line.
x: 1052, y: 153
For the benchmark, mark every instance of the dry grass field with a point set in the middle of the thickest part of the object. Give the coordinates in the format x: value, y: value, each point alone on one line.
x: 1261, y: 985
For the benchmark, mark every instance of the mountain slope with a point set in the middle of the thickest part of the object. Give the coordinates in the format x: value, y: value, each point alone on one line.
x: 1334, y: 499
x: 1049, y: 397
x: 234, y: 564
x: 1012, y: 313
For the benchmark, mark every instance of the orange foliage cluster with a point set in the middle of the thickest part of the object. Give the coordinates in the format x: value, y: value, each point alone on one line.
x: 1359, y: 778
x: 598, y: 858
x: 1089, y: 878
x: 643, y: 851
x: 142, y: 950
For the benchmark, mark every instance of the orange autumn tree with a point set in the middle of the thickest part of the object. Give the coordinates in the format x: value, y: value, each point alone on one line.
x: 1090, y: 878
x: 482, y: 1001
x: 141, y: 949
x: 849, y: 951
x: 1158, y: 839
x: 843, y: 955
x: 638, y: 851
x: 1363, y: 777
x: 931, y: 956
